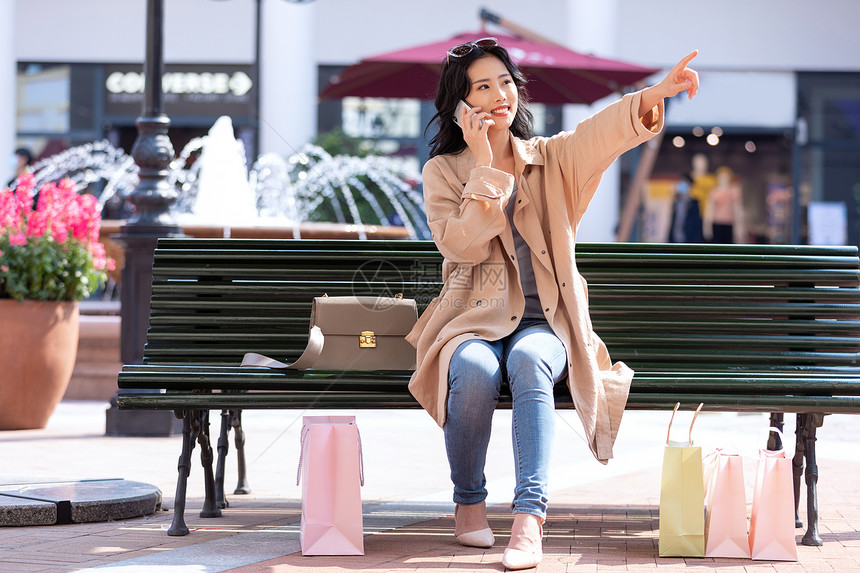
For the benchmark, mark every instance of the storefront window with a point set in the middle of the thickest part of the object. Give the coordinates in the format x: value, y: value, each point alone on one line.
x: 381, y: 117
x: 828, y: 148
x: 756, y: 161
x: 43, y: 99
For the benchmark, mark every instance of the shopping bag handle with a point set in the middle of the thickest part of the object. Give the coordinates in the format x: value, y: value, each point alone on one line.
x: 773, y: 429
x: 690, y: 436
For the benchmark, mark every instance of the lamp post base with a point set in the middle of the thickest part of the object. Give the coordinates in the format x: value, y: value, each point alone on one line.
x: 139, y: 243
x: 141, y: 423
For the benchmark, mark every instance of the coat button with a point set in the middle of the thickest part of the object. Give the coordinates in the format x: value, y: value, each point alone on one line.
x: 562, y: 284
x: 520, y: 201
x: 513, y: 318
x: 478, y: 303
x: 512, y: 257
x: 543, y: 252
x: 546, y: 310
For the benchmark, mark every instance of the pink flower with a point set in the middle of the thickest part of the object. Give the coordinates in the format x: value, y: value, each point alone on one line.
x: 18, y: 239
x: 27, y: 181
x: 59, y: 232
x: 37, y: 223
x: 10, y: 215
x: 100, y: 260
x: 61, y: 221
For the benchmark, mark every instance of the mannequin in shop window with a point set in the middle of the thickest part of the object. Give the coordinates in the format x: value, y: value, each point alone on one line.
x: 686, y: 216
x: 701, y: 181
x: 724, y: 213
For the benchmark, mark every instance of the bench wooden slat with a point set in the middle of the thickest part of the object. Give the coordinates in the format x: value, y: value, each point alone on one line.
x: 655, y: 275
x: 825, y: 277
x: 197, y: 243
x: 694, y: 356
x: 237, y: 378
x: 604, y: 326
x: 335, y: 399
x: 703, y: 344
x: 166, y: 244
x: 603, y: 293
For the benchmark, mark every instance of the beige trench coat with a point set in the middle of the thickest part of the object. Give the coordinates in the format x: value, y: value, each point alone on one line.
x: 482, y: 297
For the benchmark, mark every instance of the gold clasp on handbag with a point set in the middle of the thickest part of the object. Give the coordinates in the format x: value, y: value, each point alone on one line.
x: 367, y: 339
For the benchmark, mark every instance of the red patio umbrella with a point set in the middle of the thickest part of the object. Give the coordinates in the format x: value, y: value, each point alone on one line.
x: 556, y: 75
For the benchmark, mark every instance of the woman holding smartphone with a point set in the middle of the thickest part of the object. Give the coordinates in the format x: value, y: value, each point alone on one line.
x: 504, y: 207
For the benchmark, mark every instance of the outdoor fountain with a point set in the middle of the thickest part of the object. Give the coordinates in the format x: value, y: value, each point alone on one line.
x: 217, y: 191
x: 308, y: 194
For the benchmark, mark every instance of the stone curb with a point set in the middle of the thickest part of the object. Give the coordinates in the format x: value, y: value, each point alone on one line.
x: 85, y: 501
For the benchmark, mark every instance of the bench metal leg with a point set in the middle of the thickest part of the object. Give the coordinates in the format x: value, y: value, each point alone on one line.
x: 797, y: 468
x: 242, y: 486
x: 231, y: 418
x: 210, y: 508
x: 804, y: 452
x: 190, y: 427
x: 223, y: 447
x: 811, y: 423
x: 774, y: 442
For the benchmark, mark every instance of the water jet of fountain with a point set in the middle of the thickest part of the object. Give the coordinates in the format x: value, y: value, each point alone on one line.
x: 223, y: 195
x: 216, y: 188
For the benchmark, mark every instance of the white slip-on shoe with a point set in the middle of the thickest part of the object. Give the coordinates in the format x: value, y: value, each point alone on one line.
x: 482, y: 538
x: 515, y: 559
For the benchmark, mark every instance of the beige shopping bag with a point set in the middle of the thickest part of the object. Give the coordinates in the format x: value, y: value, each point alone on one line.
x: 682, y: 497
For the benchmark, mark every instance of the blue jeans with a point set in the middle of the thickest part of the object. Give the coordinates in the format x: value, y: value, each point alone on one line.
x: 533, y: 360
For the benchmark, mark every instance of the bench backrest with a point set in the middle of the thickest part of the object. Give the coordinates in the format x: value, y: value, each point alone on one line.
x: 657, y: 306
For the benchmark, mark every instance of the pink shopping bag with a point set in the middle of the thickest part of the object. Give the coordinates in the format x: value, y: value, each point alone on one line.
x: 726, y: 521
x: 772, y: 520
x: 331, y: 472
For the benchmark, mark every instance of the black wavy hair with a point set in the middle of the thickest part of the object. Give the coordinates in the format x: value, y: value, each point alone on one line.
x: 454, y: 85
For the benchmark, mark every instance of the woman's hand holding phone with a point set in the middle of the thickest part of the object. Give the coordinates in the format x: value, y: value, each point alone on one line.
x: 462, y: 109
x: 475, y: 136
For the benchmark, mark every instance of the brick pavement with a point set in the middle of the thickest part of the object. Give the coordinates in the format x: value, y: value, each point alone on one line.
x: 601, y: 521
x: 594, y: 535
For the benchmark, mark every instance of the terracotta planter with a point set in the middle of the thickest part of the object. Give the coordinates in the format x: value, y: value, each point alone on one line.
x: 38, y: 346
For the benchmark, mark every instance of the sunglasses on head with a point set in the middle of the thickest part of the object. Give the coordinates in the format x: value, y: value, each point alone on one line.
x: 468, y: 47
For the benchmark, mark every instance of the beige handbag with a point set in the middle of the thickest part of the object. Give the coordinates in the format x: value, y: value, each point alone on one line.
x: 354, y: 333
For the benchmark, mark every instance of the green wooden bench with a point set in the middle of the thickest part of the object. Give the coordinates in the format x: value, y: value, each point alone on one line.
x: 739, y: 328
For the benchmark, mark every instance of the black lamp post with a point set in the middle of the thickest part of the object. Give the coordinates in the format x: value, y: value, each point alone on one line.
x: 152, y: 198
x: 152, y: 150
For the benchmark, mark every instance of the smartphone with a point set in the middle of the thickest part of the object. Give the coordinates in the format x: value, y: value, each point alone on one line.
x: 459, y: 112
